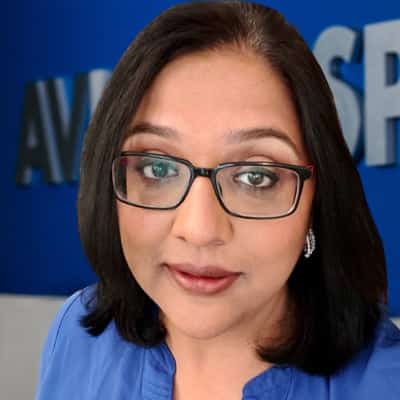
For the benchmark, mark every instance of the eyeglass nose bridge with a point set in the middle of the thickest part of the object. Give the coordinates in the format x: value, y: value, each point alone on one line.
x: 205, y: 172
x: 209, y: 173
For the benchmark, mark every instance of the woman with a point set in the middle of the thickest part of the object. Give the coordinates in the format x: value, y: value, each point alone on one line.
x: 225, y: 218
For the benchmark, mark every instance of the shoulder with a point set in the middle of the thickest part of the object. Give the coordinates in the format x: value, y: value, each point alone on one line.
x: 375, y: 371
x: 72, y: 358
x: 67, y: 319
x: 66, y: 323
x: 383, y: 353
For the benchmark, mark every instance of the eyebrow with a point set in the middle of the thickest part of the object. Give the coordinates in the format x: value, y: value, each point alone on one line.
x: 231, y: 137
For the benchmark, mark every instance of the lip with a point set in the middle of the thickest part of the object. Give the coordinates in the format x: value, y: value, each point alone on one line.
x: 204, y: 280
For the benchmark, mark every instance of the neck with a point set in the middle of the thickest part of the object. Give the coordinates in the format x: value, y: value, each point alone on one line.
x: 200, y: 361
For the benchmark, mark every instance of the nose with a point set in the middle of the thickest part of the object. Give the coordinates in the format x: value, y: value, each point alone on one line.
x: 200, y: 219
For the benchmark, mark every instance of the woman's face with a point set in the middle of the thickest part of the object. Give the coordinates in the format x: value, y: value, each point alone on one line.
x: 204, y: 98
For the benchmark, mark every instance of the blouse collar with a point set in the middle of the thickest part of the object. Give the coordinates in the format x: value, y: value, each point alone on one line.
x: 160, y: 366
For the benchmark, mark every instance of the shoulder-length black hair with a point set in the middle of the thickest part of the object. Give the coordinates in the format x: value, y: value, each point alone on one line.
x: 340, y: 290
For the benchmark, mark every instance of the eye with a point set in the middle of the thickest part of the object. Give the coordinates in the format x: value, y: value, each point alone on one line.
x: 157, y: 169
x: 258, y: 178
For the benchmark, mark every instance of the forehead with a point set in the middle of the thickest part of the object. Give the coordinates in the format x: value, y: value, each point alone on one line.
x: 204, y: 96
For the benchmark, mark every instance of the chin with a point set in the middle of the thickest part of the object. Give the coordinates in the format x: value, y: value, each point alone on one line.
x: 200, y: 327
x: 206, y: 333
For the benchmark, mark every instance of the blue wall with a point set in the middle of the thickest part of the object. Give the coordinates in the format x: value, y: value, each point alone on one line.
x: 42, y: 40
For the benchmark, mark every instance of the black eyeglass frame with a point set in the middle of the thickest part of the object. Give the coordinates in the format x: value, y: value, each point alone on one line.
x: 303, y: 172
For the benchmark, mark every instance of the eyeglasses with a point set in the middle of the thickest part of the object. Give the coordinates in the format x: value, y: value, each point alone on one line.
x: 255, y: 190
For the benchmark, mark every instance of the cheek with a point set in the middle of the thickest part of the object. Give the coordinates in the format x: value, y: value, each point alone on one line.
x: 274, y: 246
x: 142, y: 234
x: 278, y: 242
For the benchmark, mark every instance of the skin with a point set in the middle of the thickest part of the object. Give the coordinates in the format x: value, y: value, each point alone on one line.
x: 205, y: 96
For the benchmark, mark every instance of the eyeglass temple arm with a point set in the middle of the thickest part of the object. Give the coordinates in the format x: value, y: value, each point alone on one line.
x: 311, y: 168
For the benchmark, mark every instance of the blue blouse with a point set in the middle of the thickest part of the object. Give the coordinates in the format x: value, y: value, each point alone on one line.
x: 76, y: 365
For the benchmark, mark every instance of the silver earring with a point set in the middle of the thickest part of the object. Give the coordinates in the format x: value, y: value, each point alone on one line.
x: 309, y: 246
